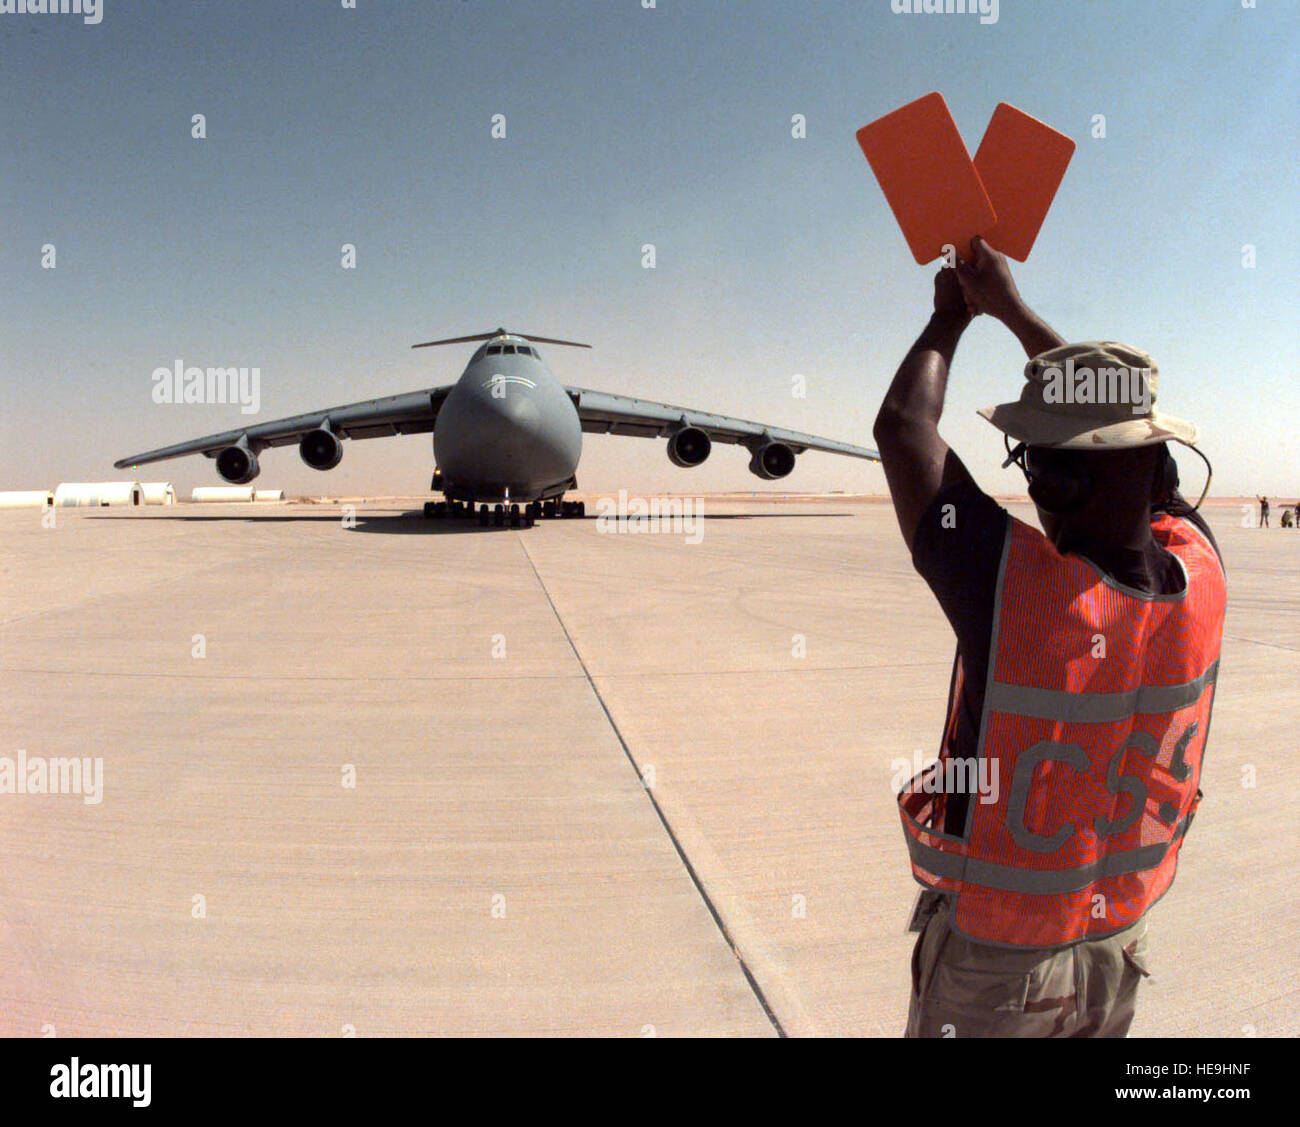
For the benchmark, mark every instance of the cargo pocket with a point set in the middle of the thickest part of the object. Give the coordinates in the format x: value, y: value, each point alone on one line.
x: 927, y: 952
x: 1054, y: 989
x: 916, y: 965
x: 1136, y: 959
x: 986, y: 991
x: 989, y: 991
x: 1115, y: 1003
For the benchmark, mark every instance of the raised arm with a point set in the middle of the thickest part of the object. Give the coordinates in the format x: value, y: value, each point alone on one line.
x: 989, y: 288
x: 918, y: 463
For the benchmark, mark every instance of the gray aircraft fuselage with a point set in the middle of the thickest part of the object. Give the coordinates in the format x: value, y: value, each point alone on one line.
x: 507, y: 429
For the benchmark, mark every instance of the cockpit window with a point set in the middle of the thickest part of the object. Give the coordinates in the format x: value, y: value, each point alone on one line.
x: 508, y: 348
x: 524, y: 350
x: 493, y: 349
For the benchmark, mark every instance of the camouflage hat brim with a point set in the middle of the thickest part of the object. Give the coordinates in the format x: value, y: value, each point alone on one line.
x: 1024, y: 423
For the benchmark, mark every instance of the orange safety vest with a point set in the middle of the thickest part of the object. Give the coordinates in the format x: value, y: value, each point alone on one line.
x: 1096, y: 713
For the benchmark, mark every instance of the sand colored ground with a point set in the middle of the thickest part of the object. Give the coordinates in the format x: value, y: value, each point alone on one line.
x: 605, y: 783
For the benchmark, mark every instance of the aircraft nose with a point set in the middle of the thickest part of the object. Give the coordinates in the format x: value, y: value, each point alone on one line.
x: 515, y: 406
x: 511, y: 430
x: 532, y: 428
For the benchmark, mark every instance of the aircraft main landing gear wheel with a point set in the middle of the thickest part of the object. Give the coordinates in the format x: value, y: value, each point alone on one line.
x: 514, y: 516
x: 484, y: 515
x: 548, y: 510
x: 428, y: 510
x: 499, y: 516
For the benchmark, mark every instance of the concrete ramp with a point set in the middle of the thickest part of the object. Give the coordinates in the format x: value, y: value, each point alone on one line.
x: 497, y: 869
x: 605, y: 783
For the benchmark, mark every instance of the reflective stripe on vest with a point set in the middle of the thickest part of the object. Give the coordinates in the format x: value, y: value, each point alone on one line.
x: 1096, y: 713
x: 1096, y: 708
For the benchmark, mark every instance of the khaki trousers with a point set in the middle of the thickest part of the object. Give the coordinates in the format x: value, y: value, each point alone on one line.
x: 961, y: 988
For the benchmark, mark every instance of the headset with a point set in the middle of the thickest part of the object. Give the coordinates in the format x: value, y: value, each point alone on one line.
x: 1059, y: 481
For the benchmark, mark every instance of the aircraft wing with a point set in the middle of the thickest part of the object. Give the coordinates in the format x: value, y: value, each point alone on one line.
x: 602, y: 413
x: 413, y: 412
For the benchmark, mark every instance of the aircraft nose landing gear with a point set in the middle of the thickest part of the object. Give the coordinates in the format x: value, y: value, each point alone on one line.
x: 499, y: 515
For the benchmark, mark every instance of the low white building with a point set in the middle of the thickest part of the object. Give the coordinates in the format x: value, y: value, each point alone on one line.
x: 226, y: 493
x: 26, y: 499
x: 268, y: 495
x: 96, y: 494
x: 159, y: 493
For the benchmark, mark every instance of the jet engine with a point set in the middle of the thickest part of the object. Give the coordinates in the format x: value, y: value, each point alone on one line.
x: 772, y: 461
x: 238, y: 465
x: 321, y: 449
x: 689, y: 446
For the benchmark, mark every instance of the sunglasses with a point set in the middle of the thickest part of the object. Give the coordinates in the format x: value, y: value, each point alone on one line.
x: 1035, y: 461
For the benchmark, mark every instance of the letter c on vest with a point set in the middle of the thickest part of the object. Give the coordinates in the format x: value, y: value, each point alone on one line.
x: 1018, y: 799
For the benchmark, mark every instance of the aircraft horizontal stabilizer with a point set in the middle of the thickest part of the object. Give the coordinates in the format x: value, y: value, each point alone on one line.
x: 500, y: 333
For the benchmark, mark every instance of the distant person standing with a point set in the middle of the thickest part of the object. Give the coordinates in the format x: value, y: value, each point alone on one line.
x: 1263, y: 512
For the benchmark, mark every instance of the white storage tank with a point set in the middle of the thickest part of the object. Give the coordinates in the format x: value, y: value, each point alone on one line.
x: 96, y: 494
x: 159, y: 492
x: 226, y: 493
x: 268, y: 495
x: 26, y: 499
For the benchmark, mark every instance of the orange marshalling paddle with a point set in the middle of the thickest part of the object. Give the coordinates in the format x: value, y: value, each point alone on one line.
x: 928, y: 178
x: 1021, y: 163
x: 941, y: 197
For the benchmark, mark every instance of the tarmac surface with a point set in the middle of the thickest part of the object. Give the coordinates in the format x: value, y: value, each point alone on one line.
x: 603, y: 782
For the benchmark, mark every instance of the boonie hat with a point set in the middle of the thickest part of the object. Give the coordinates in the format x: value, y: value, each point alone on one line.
x: 1093, y: 395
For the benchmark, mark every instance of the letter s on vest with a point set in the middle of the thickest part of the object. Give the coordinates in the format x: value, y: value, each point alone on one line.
x: 1102, y: 758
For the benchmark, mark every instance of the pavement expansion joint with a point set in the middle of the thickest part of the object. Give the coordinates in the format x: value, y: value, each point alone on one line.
x: 668, y: 829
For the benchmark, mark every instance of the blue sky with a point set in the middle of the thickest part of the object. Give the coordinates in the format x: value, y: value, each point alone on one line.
x: 625, y: 126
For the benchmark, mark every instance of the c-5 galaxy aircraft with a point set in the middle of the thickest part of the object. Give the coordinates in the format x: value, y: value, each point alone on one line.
x: 506, y: 433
